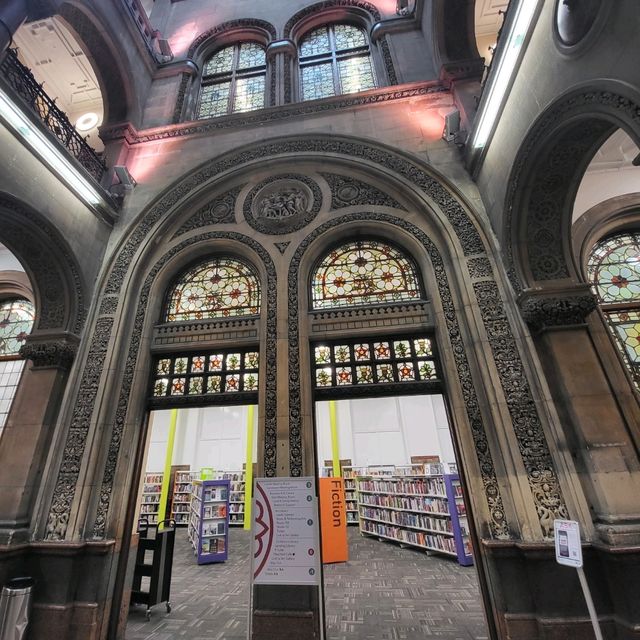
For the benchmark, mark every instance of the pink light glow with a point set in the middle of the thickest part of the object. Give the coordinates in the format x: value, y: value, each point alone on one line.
x: 181, y: 40
x: 387, y: 6
x: 431, y: 124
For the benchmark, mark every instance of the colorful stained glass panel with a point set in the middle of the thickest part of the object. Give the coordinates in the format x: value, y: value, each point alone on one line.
x: 214, y: 384
x: 215, y: 362
x: 160, y: 387
x: 233, y: 361
x: 405, y: 371
x: 384, y: 372
x: 381, y: 350
x: 195, y: 385
x: 364, y: 374
x: 427, y: 370
x: 402, y: 348
x: 343, y: 375
x: 341, y: 353
x: 422, y: 347
x: 180, y: 365
x: 197, y: 364
x: 361, y: 352
x: 164, y: 366
x: 251, y: 360
x: 323, y: 377
x: 232, y: 383
x: 614, y: 268
x: 250, y: 382
x: 323, y: 355
x: 16, y: 321
x: 178, y: 386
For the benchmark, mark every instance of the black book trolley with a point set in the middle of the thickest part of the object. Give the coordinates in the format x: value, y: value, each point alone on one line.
x: 154, y: 559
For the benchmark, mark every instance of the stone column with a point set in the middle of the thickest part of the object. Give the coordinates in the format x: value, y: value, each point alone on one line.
x: 595, y: 428
x: 281, y: 55
x: 12, y: 15
x: 30, y: 424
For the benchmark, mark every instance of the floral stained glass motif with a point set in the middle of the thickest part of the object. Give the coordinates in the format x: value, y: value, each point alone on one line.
x: 614, y: 272
x: 206, y: 373
x: 16, y: 321
x: 367, y: 362
x: 219, y: 288
x: 335, y: 60
x: 362, y: 273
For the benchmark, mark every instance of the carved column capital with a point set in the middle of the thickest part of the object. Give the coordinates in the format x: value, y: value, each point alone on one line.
x: 548, y: 308
x: 47, y: 350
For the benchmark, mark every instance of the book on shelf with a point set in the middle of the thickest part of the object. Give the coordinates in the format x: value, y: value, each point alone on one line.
x: 237, y: 488
x: 150, y: 499
x: 181, y: 496
x: 209, y: 520
x: 416, y: 506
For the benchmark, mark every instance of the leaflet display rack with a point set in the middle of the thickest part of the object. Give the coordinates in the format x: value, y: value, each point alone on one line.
x: 419, y: 510
x: 209, y: 520
x: 150, y: 501
x: 181, y: 500
x: 236, y: 496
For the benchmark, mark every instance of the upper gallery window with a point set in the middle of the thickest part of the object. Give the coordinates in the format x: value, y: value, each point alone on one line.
x: 614, y: 272
x: 364, y: 272
x: 217, y: 288
x: 233, y: 80
x: 335, y: 59
x: 16, y: 321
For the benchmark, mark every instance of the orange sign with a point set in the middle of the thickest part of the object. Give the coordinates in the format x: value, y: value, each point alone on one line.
x: 333, y: 520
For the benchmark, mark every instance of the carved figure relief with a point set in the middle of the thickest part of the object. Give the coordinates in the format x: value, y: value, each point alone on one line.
x: 347, y: 192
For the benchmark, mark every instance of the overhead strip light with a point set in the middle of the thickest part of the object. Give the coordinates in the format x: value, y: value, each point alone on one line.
x: 502, y: 75
x: 47, y: 151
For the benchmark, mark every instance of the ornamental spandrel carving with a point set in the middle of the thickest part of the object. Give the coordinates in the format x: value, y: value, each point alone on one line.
x: 219, y: 211
x: 282, y: 204
x: 347, y: 192
x: 545, y: 310
x: 57, y: 353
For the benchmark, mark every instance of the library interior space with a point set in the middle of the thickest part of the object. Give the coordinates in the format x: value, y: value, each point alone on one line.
x: 320, y: 319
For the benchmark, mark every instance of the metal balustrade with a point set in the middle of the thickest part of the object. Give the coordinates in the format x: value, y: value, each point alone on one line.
x: 26, y: 86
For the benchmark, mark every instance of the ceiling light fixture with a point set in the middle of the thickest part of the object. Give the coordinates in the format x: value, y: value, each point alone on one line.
x: 501, y: 77
x: 46, y: 150
x: 87, y: 121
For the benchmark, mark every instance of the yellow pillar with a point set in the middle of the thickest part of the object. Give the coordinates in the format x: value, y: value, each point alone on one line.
x: 248, y: 469
x: 164, y: 494
x: 335, y: 445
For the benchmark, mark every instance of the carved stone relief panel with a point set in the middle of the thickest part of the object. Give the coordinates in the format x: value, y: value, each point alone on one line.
x: 347, y: 192
x: 218, y: 211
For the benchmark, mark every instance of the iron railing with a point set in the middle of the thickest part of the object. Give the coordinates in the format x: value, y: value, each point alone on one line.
x: 25, y: 85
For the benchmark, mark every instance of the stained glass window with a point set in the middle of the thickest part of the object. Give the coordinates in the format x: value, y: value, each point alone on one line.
x: 614, y: 273
x: 361, y: 273
x: 16, y: 321
x: 233, y: 80
x: 369, y: 362
x: 233, y: 372
x: 218, y: 288
x: 334, y: 60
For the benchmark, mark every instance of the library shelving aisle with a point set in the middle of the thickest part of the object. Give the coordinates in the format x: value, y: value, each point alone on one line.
x: 236, y: 496
x: 350, y: 494
x: 209, y: 520
x: 415, y: 510
x: 182, y: 489
x: 150, y: 501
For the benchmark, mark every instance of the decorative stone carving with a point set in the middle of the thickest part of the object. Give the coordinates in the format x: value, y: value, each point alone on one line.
x: 479, y: 268
x: 282, y: 204
x: 108, y: 305
x: 270, y: 300
x: 50, y: 353
x: 347, y: 192
x: 220, y: 210
x: 546, y: 309
x: 281, y: 246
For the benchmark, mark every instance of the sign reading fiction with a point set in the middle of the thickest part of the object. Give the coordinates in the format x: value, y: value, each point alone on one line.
x: 567, y: 538
x: 285, y: 532
x: 333, y: 512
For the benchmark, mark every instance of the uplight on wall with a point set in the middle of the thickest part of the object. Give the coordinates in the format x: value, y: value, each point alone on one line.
x: 501, y: 76
x: 46, y: 150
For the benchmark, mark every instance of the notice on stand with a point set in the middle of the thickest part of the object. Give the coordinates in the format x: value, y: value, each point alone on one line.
x: 285, y: 532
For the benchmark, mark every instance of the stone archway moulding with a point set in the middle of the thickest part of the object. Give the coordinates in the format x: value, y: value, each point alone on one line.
x: 545, y: 176
x: 543, y: 481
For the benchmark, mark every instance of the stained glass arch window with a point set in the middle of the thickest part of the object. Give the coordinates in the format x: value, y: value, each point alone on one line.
x: 16, y: 322
x: 364, y: 272
x: 216, y: 289
x: 233, y: 80
x: 335, y: 59
x: 613, y: 270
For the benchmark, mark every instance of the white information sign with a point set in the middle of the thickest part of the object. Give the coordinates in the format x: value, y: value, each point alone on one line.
x: 285, y: 532
x: 568, y: 547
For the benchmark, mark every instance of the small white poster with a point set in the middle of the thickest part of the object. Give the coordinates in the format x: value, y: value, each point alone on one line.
x: 568, y: 547
x: 285, y: 532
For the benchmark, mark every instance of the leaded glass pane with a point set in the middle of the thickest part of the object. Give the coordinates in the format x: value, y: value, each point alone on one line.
x: 341, y: 353
x: 16, y: 320
x: 233, y: 361
x: 315, y: 43
x: 214, y: 100
x: 362, y: 273
x: 423, y: 347
x: 323, y: 377
x: 323, y: 355
x: 427, y: 370
x: 251, y: 55
x: 251, y: 360
x: 405, y: 371
x: 178, y: 386
x: 364, y: 374
x: 164, y: 366
x: 232, y: 383
x: 249, y: 94
x: 614, y: 269
x: 402, y: 348
x: 626, y: 325
x: 317, y: 81
x: 180, y: 365
x: 361, y: 352
x: 219, y: 288
x: 214, y: 384
x: 250, y: 382
x: 356, y: 74
x: 382, y: 350
x: 215, y: 362
x: 195, y: 385
x: 160, y: 387
x: 10, y: 372
x: 349, y: 37
x: 219, y: 62
x: 385, y: 373
x: 343, y: 375
x: 197, y: 364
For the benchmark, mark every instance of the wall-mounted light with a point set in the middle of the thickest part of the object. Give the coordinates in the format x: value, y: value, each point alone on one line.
x: 46, y: 150
x: 402, y: 7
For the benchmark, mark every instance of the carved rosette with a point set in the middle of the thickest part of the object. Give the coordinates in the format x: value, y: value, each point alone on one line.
x: 545, y: 310
x: 58, y: 352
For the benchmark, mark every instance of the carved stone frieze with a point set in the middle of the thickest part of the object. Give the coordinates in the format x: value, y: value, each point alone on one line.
x: 479, y: 268
x: 547, y: 309
x: 269, y: 453
x: 282, y: 204
x: 108, y: 305
x: 347, y: 192
x: 281, y: 246
x: 50, y: 351
x: 220, y: 210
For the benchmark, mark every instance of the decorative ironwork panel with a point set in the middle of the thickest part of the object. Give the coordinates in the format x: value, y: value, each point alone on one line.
x: 360, y: 362
x: 16, y: 321
x: 249, y: 94
x: 614, y: 268
x: 364, y: 272
x: 317, y: 81
x: 230, y: 371
x: 218, y: 288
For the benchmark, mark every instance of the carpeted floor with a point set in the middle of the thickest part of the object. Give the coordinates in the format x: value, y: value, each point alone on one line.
x: 384, y: 592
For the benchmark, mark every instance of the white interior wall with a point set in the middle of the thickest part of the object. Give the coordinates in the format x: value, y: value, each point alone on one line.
x: 386, y: 430
x: 205, y: 437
